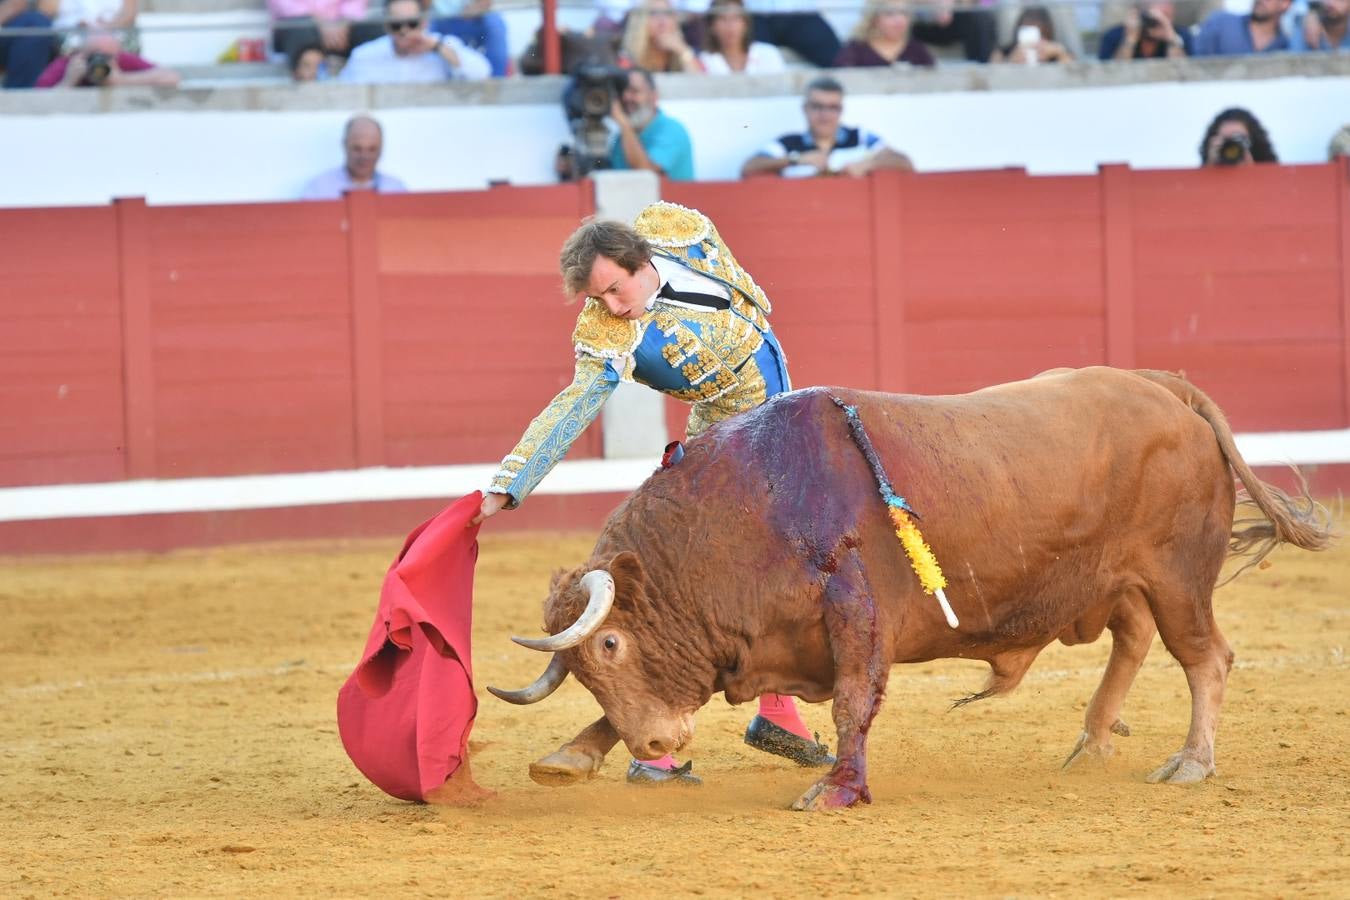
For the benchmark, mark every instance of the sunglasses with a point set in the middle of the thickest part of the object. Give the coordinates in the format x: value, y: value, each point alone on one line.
x: 398, y: 26
x: 825, y: 107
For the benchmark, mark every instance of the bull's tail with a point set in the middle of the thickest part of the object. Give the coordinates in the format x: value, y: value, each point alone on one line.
x: 1300, y: 521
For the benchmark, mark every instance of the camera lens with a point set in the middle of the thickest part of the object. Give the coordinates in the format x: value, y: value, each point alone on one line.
x: 1233, y: 150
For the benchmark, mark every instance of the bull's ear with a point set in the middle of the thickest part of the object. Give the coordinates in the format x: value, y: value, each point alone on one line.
x: 629, y: 578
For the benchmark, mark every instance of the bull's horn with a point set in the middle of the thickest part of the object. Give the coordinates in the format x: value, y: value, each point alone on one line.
x: 601, y: 587
x: 545, y: 684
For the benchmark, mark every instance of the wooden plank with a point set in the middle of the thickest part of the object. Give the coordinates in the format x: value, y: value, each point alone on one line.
x: 888, y: 290
x: 367, y: 340
x: 1118, y: 265
x: 1342, y: 167
x: 138, y: 381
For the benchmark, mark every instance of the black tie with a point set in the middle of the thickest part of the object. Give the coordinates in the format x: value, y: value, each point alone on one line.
x: 694, y: 299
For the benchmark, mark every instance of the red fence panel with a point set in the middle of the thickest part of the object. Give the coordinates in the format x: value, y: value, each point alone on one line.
x: 60, y: 347
x: 1238, y: 281
x: 252, y: 338
x: 475, y: 329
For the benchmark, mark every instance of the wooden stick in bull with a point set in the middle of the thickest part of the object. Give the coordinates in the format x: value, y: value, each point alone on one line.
x: 921, y: 556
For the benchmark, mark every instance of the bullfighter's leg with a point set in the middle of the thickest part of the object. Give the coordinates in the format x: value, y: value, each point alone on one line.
x: 579, y: 759
x: 1190, y: 634
x: 860, y: 681
x: 1132, y: 631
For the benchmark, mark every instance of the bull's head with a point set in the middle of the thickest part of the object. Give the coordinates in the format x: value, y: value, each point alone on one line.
x: 610, y: 634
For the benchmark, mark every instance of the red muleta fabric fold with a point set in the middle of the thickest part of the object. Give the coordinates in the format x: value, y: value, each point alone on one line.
x: 406, y: 711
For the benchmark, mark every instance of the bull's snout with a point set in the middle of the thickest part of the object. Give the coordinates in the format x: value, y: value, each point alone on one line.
x: 665, y: 737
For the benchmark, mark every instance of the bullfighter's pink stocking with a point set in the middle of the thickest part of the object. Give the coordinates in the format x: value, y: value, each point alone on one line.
x: 665, y: 762
x: 782, y: 711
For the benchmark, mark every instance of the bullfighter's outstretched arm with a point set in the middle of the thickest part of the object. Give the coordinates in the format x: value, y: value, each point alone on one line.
x: 552, y: 433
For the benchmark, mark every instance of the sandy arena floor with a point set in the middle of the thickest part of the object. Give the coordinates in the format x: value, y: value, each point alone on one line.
x: 167, y: 728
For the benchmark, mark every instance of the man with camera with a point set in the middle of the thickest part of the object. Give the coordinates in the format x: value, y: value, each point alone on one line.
x: 1235, y: 137
x: 1324, y: 27
x: 1229, y: 34
x: 100, y: 61
x: 1146, y: 33
x: 644, y: 138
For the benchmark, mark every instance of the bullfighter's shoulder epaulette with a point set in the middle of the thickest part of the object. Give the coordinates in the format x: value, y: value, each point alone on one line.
x: 671, y: 226
x: 600, y: 333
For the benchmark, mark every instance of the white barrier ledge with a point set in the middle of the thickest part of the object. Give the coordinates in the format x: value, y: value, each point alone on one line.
x: 126, y: 498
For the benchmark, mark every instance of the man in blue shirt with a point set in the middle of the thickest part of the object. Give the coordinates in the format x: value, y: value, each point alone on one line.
x: 1324, y: 28
x: 1229, y: 34
x: 648, y: 138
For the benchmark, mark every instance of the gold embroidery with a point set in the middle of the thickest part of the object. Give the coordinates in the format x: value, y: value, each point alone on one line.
x: 600, y: 333
x: 670, y: 225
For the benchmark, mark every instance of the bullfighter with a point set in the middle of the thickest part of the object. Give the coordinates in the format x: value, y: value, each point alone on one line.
x: 665, y: 304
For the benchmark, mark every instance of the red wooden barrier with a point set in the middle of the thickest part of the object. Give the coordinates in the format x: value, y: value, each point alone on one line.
x: 144, y: 341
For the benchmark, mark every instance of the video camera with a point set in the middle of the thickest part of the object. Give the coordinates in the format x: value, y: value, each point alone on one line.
x: 587, y: 101
x: 98, y: 68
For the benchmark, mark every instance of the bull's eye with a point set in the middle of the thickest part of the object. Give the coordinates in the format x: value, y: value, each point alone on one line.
x: 611, y: 642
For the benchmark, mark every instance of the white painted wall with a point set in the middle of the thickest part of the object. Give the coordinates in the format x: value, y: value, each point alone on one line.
x: 210, y: 156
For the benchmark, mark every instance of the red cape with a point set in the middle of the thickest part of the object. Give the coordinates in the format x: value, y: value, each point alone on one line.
x: 406, y: 712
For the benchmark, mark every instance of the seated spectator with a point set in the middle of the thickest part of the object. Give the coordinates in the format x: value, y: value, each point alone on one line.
x: 1236, y: 138
x: 1146, y: 33
x: 410, y: 53
x: 362, y: 146
x: 335, y: 25
x: 653, y: 40
x: 646, y: 137
x: 24, y: 56
x: 1034, y: 40
x: 797, y: 25
x: 1340, y: 144
x: 310, y: 64
x: 100, y: 61
x: 481, y: 29
x: 1229, y: 34
x: 728, y: 47
x: 941, y: 23
x: 826, y: 147
x: 104, y: 15
x: 1324, y: 28
x: 882, y: 38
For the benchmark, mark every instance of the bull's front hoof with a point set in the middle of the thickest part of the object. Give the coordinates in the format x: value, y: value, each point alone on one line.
x: 1181, y: 769
x: 566, y: 765
x: 1088, y: 754
x: 825, y: 794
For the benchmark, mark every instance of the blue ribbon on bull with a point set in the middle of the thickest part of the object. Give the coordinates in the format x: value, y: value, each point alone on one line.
x: 869, y: 452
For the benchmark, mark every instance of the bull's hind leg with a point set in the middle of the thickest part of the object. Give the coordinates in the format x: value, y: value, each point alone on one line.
x: 1132, y: 631
x: 860, y: 681
x: 1190, y: 634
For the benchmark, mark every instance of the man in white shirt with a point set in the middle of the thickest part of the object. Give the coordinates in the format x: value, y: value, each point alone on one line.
x: 362, y: 144
x: 408, y: 52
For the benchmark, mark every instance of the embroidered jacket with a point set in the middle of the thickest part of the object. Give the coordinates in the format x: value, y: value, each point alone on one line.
x: 722, y: 361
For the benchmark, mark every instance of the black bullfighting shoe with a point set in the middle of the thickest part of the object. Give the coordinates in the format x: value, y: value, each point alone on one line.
x: 642, y: 773
x: 765, y: 735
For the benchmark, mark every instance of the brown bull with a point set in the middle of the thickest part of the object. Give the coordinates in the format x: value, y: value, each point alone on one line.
x: 1057, y: 507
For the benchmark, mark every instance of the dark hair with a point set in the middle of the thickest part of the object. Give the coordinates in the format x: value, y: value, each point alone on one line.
x: 1262, y: 149
x: 612, y: 240
x: 722, y: 8
x: 1031, y: 15
x: 298, y: 53
x: 825, y: 83
x: 645, y: 73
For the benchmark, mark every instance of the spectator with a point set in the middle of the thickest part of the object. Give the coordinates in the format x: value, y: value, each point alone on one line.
x: 797, y: 25
x: 24, y: 56
x: 1324, y: 28
x: 309, y: 64
x: 410, y: 53
x: 882, y: 38
x: 104, y: 15
x: 101, y: 61
x: 652, y: 40
x: 941, y: 23
x: 335, y: 25
x: 481, y: 29
x: 1340, y: 144
x: 1146, y: 33
x: 826, y: 147
x: 1229, y: 34
x: 1236, y: 138
x: 362, y: 145
x: 1034, y: 40
x: 648, y: 138
x: 728, y: 45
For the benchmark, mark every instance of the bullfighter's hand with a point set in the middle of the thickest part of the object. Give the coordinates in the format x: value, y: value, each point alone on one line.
x: 492, y: 504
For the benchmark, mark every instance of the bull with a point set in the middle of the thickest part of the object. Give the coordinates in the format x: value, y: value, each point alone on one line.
x: 1059, y: 507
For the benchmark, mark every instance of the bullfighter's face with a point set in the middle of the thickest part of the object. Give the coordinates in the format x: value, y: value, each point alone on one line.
x: 625, y: 294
